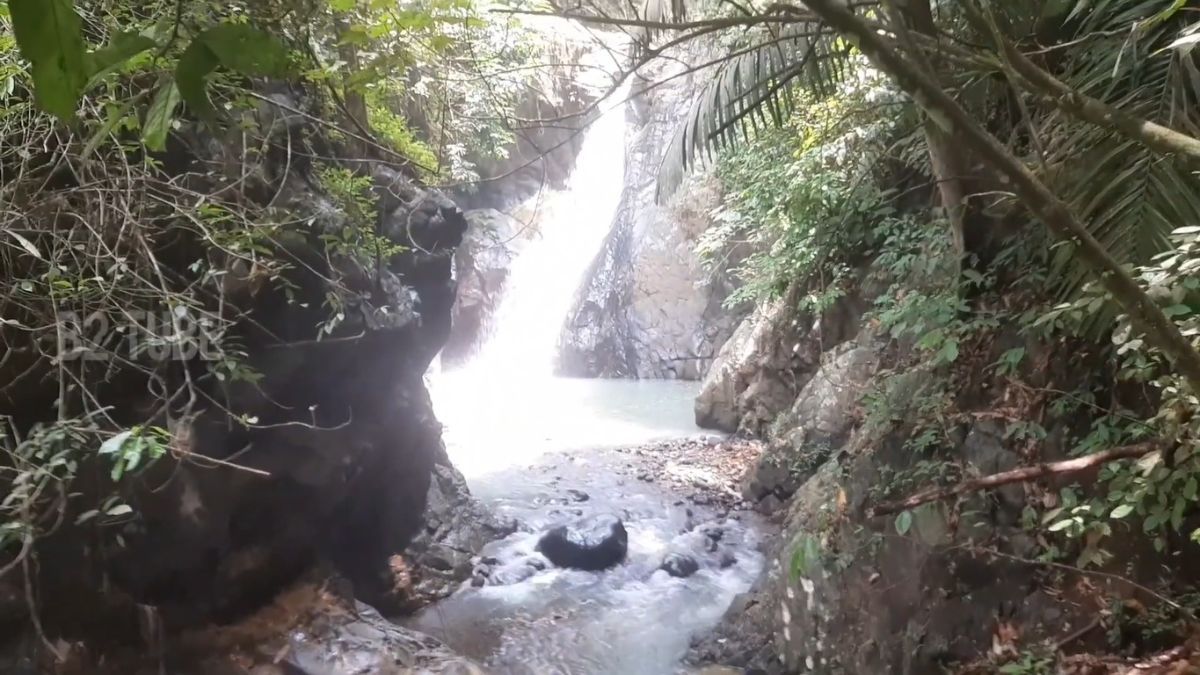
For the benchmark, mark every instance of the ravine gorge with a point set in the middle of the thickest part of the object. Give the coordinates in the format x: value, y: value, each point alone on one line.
x: 457, y: 337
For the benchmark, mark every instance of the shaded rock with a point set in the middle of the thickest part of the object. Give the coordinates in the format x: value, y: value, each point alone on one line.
x: 680, y: 565
x: 769, y: 359
x: 456, y: 528
x: 594, y: 544
x: 338, y: 432
x: 481, y: 267
x: 317, y: 630
x: 651, y: 308
x: 818, y: 424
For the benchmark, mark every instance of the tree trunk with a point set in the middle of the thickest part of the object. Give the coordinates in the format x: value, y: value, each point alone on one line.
x: 1034, y: 194
x: 951, y: 165
x: 355, y: 103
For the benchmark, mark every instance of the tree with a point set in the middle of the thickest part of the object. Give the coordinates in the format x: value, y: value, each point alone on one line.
x: 806, y: 45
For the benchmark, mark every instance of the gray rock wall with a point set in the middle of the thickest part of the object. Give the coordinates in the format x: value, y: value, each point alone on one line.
x: 650, y: 309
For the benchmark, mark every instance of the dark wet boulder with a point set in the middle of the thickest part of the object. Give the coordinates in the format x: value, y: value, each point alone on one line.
x: 594, y: 543
x: 680, y: 565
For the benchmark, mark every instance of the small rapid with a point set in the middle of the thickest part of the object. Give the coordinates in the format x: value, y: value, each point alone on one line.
x: 543, y: 451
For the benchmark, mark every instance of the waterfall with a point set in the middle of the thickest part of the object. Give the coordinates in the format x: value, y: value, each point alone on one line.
x: 505, y: 406
x: 571, y: 224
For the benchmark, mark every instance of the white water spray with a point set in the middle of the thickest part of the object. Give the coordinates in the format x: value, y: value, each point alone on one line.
x: 546, y: 276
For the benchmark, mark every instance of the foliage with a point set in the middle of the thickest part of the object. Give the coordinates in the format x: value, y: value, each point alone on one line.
x: 119, y: 267
x: 1029, y: 663
x: 804, y: 197
x: 1130, y: 198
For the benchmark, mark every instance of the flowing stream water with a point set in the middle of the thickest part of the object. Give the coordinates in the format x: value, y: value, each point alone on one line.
x: 540, y: 449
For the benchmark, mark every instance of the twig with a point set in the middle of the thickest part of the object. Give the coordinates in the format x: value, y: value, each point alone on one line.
x: 1023, y: 474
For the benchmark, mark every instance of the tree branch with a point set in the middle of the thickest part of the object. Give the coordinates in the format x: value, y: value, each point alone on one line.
x: 1033, y: 193
x: 1050, y: 89
x: 1021, y: 475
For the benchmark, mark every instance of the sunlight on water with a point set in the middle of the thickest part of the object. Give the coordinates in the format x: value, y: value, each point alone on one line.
x: 571, y: 224
x: 505, y: 406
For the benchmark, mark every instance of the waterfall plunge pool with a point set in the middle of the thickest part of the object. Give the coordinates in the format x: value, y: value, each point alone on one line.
x: 545, y: 451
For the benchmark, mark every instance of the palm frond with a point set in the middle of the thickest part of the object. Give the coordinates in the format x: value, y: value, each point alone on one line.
x: 1131, y: 197
x: 752, y: 90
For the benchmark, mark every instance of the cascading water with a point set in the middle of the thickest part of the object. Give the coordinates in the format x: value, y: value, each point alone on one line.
x: 505, y: 405
x: 571, y: 225
x: 540, y: 450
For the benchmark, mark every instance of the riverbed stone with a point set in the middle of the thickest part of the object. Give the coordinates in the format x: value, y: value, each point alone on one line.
x: 594, y: 543
x: 680, y: 565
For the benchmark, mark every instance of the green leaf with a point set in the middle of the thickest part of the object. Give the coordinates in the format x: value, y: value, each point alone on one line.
x: 949, y: 351
x: 1061, y: 525
x: 342, y: 5
x: 195, y: 65
x: 160, y: 116
x: 50, y: 35
x: 114, y: 445
x: 904, y: 522
x: 1121, y: 511
x: 116, y: 53
x: 114, y: 118
x: 238, y: 47
x: 247, y: 50
x: 119, y: 510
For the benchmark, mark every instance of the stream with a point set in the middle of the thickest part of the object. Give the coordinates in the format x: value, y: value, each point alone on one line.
x: 545, y: 451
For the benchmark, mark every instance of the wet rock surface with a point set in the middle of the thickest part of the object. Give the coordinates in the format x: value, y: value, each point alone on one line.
x: 481, y: 268
x: 680, y: 565
x: 594, y: 543
x: 651, y: 309
x: 522, y: 614
x: 315, y: 628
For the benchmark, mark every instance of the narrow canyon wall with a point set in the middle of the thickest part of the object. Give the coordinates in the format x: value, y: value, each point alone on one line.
x: 650, y: 308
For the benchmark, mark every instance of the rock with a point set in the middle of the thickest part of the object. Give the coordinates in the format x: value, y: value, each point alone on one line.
x: 509, y: 573
x: 770, y: 357
x: 343, y: 460
x: 310, y: 631
x: 593, y: 544
x: 578, y: 495
x: 456, y: 527
x: 481, y: 267
x: 817, y: 424
x: 650, y: 308
x: 680, y: 565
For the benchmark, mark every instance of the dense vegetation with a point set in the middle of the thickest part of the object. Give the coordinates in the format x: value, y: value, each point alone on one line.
x: 162, y: 162
x: 1030, y: 128
x: 1008, y: 172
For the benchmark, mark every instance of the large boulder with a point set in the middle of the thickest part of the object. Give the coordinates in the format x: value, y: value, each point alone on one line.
x: 772, y: 355
x: 817, y: 425
x: 594, y: 543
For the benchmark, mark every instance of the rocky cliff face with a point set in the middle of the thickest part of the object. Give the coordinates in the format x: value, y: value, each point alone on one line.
x: 961, y: 582
x: 481, y: 267
x: 650, y: 308
x: 330, y: 453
